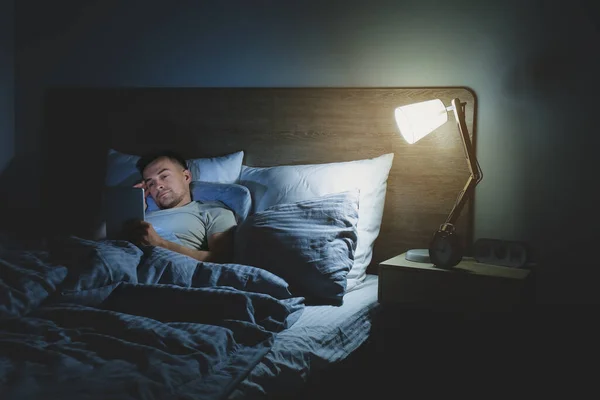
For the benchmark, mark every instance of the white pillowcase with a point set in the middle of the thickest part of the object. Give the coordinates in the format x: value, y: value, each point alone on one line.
x: 121, y: 170
x: 292, y: 183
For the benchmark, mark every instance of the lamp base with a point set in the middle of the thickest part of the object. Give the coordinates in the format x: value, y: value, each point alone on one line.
x: 418, y: 255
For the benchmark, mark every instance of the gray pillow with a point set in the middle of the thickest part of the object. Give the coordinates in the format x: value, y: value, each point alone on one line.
x: 310, y: 244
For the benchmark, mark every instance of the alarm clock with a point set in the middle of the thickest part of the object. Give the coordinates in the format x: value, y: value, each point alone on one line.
x: 445, y: 249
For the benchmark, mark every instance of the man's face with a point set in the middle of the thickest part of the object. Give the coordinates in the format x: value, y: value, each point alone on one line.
x: 168, y: 183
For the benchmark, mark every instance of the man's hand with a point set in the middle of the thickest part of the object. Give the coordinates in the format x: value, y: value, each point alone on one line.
x: 142, y: 185
x: 142, y: 233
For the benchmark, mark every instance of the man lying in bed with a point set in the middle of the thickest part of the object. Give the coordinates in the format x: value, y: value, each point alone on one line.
x: 204, y: 230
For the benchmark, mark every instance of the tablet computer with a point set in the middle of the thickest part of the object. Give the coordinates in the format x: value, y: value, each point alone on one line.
x: 122, y: 204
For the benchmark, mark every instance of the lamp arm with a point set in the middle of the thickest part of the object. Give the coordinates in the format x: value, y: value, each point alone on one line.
x: 461, y: 200
x: 474, y: 169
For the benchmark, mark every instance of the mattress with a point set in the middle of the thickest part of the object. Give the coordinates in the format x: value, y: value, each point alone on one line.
x: 322, y: 336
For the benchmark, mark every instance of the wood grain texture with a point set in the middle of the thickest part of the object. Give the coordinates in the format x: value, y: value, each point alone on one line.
x: 273, y: 126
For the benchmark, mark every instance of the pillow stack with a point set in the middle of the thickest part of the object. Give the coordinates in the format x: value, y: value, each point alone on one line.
x: 291, y: 183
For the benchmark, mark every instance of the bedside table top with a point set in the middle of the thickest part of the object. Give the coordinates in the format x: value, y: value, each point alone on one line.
x: 467, y: 265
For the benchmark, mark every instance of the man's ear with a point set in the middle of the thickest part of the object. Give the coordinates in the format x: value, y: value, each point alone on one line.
x: 187, y: 175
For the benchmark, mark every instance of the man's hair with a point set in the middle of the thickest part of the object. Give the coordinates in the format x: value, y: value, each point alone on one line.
x: 145, y: 160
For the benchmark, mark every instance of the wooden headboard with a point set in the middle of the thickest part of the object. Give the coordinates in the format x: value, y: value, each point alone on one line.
x: 273, y: 126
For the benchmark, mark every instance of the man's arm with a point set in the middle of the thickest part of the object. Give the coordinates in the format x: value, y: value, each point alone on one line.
x: 220, y: 248
x: 220, y: 244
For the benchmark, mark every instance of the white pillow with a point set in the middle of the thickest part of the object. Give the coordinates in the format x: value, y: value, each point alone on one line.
x: 292, y: 183
x: 121, y: 170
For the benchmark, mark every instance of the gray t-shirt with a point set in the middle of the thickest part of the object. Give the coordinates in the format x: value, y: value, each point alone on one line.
x: 193, y: 223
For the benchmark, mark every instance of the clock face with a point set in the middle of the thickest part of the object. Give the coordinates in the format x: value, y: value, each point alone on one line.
x: 442, y: 248
x: 445, y: 250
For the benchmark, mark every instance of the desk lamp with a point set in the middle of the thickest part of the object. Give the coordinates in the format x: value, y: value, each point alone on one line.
x: 415, y: 121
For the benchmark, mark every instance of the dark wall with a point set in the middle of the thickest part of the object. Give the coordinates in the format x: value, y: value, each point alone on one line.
x: 7, y: 82
x: 532, y: 64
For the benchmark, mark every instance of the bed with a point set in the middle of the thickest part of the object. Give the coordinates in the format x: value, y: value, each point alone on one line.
x: 93, y: 318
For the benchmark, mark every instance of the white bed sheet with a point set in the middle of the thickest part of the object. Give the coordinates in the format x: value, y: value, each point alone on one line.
x: 323, y: 335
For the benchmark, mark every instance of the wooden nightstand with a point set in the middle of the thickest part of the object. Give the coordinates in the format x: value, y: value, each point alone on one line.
x: 470, y: 286
x: 447, y: 324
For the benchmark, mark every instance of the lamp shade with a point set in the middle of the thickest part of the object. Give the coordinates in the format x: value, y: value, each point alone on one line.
x: 415, y: 121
